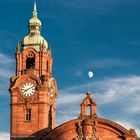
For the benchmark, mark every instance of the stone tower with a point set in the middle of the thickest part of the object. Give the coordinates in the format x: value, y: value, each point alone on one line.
x: 33, y: 90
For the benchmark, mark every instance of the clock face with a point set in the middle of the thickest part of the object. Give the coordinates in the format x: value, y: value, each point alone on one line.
x: 28, y: 89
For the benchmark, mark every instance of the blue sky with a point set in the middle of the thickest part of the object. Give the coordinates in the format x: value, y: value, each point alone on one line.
x: 98, y: 35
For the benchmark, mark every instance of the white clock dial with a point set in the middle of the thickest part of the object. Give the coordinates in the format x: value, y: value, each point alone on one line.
x: 28, y: 89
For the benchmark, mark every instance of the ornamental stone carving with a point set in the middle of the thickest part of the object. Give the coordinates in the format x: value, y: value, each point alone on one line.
x: 86, y: 130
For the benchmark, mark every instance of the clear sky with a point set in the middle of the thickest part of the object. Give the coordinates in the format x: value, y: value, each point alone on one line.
x: 98, y: 35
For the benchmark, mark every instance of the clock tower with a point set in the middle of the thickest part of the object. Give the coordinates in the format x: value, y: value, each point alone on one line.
x: 33, y: 89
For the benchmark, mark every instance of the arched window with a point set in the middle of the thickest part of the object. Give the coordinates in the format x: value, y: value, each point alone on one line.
x: 30, y: 61
x: 88, y: 110
x: 28, y: 115
x: 47, y: 66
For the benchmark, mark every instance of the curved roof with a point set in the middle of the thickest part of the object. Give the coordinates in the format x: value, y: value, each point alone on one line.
x: 35, y: 21
x: 34, y: 41
x: 69, y: 129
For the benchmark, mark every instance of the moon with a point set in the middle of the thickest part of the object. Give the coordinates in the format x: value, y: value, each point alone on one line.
x: 90, y: 74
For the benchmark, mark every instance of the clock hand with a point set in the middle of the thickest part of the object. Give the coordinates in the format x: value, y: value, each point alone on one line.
x: 28, y: 89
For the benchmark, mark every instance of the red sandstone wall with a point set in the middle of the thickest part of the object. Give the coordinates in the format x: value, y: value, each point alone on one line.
x: 69, y: 131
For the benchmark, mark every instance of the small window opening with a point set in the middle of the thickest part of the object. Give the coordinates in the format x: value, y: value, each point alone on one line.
x: 28, y: 115
x: 30, y: 61
x: 47, y: 66
x: 33, y: 27
x: 88, y: 110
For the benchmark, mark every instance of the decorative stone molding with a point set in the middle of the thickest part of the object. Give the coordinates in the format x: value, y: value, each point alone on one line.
x: 86, y: 130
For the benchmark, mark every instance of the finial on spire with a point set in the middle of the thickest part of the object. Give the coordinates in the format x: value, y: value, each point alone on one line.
x: 88, y: 93
x: 35, y: 9
x: 18, y: 47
